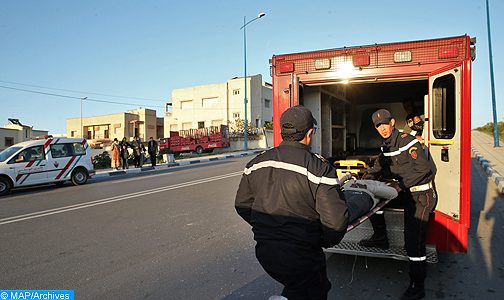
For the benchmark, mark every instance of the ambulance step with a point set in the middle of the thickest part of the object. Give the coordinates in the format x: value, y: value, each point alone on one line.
x: 395, y: 234
x: 398, y: 253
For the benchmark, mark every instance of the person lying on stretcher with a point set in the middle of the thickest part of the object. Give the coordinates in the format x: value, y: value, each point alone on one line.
x: 362, y: 195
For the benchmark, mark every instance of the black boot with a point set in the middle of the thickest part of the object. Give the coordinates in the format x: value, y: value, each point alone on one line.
x: 376, y: 240
x: 414, y: 292
x: 416, y: 288
x: 379, y: 238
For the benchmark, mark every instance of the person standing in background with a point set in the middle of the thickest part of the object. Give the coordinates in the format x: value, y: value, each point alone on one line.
x: 152, y: 148
x: 414, y: 120
x: 141, y: 149
x: 124, y: 152
x: 115, y: 154
x: 136, y: 152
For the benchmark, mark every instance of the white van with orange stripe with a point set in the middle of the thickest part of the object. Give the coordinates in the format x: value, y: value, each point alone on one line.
x: 43, y: 161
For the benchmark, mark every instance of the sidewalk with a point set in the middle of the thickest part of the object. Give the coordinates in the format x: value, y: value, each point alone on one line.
x: 179, y: 162
x: 490, y: 158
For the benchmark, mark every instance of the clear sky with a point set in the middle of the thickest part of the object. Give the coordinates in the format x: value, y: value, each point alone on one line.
x: 142, y: 50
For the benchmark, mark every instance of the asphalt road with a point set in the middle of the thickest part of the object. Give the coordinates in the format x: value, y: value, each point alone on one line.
x: 174, y: 234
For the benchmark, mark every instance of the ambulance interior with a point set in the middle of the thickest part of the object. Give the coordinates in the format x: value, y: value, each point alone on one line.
x: 346, y: 133
x: 343, y: 112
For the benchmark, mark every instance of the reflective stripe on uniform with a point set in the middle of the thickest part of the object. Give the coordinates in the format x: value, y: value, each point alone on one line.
x: 400, y: 150
x: 294, y: 168
x: 417, y: 258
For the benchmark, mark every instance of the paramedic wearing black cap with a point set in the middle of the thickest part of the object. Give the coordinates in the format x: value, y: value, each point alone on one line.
x: 404, y: 157
x: 293, y: 201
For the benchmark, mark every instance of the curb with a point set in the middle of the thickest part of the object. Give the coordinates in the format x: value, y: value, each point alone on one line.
x: 175, y: 164
x: 496, y: 177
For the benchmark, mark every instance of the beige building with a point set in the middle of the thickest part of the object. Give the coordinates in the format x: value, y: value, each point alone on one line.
x: 101, y: 130
x: 15, y: 132
x: 215, y: 104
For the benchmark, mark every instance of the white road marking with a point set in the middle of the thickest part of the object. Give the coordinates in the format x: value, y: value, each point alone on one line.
x: 59, y: 210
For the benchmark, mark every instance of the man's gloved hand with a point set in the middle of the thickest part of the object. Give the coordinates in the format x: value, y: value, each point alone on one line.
x: 344, y: 177
x: 395, y: 185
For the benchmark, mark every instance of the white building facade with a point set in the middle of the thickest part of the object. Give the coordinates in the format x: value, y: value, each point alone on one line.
x: 15, y: 132
x: 216, y: 104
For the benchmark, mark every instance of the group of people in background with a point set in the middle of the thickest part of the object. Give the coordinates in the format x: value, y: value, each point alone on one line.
x: 120, y: 153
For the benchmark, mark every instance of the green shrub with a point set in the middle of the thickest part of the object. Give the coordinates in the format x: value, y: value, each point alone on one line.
x: 488, y: 128
x: 102, y: 161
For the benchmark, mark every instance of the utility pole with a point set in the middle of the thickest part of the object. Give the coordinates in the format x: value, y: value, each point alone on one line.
x: 494, y: 105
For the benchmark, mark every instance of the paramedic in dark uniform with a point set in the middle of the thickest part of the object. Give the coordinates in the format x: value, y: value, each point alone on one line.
x: 293, y: 200
x: 414, y: 121
x: 403, y: 157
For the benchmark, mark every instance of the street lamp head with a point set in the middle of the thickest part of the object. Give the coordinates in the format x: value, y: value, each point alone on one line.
x: 260, y: 15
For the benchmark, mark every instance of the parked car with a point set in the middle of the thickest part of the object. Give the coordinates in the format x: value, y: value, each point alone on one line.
x: 44, y: 161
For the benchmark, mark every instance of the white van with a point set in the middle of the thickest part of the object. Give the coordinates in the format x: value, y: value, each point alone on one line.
x: 44, y: 161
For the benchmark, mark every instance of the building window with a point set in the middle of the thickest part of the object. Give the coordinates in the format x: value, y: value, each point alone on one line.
x: 173, y: 127
x: 9, y: 141
x: 236, y: 92
x: 106, y: 133
x: 208, y: 102
x: 186, y: 104
x: 73, y: 133
x: 236, y: 115
x: 201, y: 124
x: 267, y: 103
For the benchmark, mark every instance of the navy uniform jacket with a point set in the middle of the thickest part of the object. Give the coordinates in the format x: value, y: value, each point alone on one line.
x: 290, y: 194
x: 404, y: 156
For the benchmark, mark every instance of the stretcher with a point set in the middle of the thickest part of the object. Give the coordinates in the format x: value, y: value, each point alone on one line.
x: 366, y: 216
x: 356, y: 168
x: 360, y: 228
x: 353, y: 166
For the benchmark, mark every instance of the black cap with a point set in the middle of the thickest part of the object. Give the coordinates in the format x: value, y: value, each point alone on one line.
x: 296, y: 119
x: 381, y: 116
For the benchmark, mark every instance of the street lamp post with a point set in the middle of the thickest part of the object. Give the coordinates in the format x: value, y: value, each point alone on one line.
x: 81, y: 128
x: 245, y: 102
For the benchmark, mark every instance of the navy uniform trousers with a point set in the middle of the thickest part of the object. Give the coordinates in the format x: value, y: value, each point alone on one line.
x: 418, y: 208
